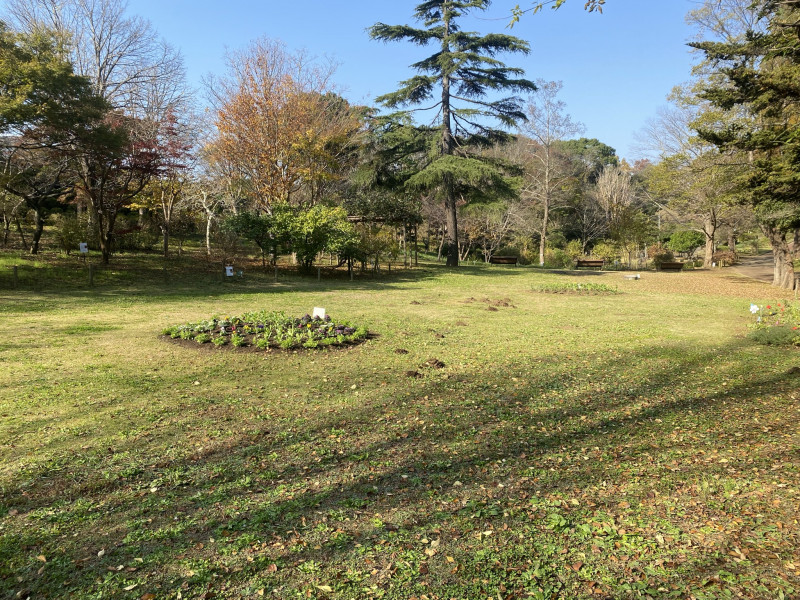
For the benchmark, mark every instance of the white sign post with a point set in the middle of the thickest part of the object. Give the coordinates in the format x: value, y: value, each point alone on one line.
x: 318, y: 312
x: 229, y: 271
x: 83, y: 247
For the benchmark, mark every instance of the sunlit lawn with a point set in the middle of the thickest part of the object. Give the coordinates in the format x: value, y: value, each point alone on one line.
x: 573, y: 446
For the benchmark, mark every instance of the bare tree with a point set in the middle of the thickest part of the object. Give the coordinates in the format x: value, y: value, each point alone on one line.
x: 128, y: 63
x: 546, y: 170
x: 614, y: 192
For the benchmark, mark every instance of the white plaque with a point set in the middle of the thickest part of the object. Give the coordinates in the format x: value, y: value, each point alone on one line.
x: 318, y: 312
x: 84, y: 247
x: 229, y: 271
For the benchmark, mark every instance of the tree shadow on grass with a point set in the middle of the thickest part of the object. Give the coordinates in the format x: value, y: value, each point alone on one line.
x: 320, y: 491
x: 154, y: 282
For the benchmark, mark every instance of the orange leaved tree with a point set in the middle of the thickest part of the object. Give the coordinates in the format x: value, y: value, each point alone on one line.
x: 279, y: 124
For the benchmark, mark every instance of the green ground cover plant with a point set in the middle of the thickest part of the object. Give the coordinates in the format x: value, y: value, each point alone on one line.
x: 570, y: 446
x: 576, y: 288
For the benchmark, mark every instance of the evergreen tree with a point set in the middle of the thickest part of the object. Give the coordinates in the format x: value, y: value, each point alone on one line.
x: 461, y: 73
x: 762, y: 77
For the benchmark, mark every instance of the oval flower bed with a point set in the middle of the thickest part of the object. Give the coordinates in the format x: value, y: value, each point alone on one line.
x: 263, y: 330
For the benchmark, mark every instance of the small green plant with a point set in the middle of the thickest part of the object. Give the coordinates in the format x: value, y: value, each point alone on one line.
x: 237, y: 340
x: 220, y: 340
x: 203, y: 338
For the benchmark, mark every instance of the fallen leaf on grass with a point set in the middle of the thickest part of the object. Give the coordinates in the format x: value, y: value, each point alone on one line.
x: 41, y: 558
x: 130, y: 587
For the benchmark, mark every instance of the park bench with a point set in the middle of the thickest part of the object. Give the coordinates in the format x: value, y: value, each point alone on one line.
x: 670, y: 266
x: 503, y: 260
x: 589, y: 263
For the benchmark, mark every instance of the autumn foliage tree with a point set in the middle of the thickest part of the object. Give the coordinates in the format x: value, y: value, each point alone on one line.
x: 279, y: 124
x: 118, y: 159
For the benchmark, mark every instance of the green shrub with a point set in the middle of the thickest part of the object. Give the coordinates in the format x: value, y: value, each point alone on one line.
x: 608, y: 251
x: 686, y: 241
x: 68, y: 232
x: 574, y: 249
x: 555, y: 258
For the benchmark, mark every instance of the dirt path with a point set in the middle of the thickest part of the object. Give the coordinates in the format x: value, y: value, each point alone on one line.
x: 756, y: 267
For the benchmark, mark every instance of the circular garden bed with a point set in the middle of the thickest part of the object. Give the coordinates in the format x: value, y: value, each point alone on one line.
x: 263, y: 330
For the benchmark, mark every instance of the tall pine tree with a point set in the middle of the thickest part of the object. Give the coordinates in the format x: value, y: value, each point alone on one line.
x: 762, y: 77
x: 458, y: 78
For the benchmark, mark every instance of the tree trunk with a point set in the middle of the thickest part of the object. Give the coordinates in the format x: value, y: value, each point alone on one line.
x: 209, y: 219
x: 405, y: 245
x: 165, y: 232
x: 732, y: 242
x: 37, y: 232
x: 543, y: 236
x: 783, y: 274
x: 20, y: 232
x: 710, y: 231
x: 106, y: 226
x: 452, y: 229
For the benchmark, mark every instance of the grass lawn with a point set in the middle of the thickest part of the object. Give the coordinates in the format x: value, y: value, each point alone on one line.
x: 626, y: 445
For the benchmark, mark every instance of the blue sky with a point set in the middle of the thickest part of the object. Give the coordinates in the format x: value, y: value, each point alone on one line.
x: 617, y: 68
